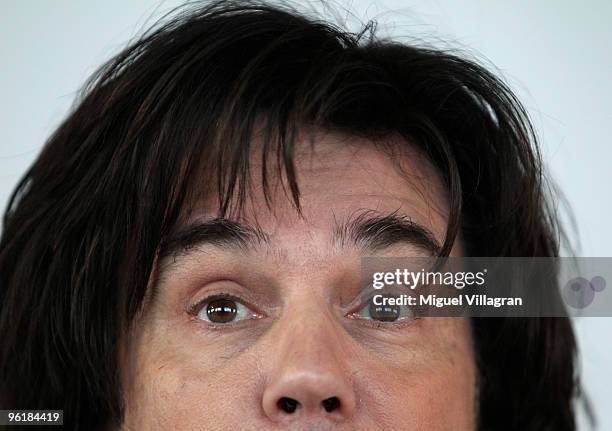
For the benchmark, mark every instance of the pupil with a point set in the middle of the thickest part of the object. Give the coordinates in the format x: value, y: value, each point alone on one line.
x: 221, y: 310
x: 384, y: 313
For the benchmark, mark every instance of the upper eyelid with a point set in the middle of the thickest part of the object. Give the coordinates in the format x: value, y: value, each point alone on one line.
x: 224, y: 286
x: 367, y: 293
x: 250, y: 301
x: 196, y: 308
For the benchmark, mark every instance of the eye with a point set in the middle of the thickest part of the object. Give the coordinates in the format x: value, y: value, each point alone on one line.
x: 222, y: 310
x: 386, y: 308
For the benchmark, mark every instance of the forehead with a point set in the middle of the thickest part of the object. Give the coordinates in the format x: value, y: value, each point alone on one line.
x: 339, y: 175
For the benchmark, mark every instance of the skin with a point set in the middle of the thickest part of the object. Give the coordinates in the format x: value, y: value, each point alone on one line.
x: 305, y: 335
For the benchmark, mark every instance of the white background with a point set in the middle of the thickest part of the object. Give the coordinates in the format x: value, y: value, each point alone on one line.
x: 557, y: 55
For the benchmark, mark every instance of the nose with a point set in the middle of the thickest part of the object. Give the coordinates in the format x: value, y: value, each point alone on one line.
x: 309, y: 377
x: 315, y: 393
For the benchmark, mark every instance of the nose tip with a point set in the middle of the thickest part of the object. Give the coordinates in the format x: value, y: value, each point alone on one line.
x: 324, y: 395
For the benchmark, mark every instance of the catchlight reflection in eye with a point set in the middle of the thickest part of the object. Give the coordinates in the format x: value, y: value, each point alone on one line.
x: 385, y: 312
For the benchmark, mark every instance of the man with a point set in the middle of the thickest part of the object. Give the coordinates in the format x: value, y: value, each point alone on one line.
x: 185, y: 252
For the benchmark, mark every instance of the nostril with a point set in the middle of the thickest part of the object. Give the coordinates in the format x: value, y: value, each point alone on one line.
x: 331, y: 404
x: 288, y: 405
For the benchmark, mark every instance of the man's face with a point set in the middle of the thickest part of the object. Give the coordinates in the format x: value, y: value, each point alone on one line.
x: 260, y: 323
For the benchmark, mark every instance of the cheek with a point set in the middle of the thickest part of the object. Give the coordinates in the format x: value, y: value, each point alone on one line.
x: 428, y: 386
x: 183, y: 395
x: 438, y: 398
x: 184, y: 383
x: 178, y: 384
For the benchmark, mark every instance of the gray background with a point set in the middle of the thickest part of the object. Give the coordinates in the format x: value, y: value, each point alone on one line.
x: 555, y: 54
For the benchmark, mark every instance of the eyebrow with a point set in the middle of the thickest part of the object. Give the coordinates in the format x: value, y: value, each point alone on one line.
x: 372, y: 231
x: 218, y: 232
x: 367, y: 230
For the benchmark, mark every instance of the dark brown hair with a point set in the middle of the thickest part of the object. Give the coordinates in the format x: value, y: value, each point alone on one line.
x: 84, y: 224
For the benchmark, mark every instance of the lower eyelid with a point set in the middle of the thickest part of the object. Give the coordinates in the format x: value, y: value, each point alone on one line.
x: 411, y: 314
x: 398, y: 325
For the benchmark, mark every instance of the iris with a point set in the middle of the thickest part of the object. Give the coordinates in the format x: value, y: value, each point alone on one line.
x: 221, y: 310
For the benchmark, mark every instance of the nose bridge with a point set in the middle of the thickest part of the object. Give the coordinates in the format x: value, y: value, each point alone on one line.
x: 310, y: 331
x: 309, y: 375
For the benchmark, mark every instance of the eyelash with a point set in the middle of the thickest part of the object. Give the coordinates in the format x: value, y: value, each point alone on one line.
x: 195, y: 309
x: 363, y: 304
